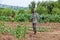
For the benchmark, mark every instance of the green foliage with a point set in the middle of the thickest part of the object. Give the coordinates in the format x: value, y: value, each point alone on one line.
x: 32, y: 5
x: 4, y: 18
x: 42, y: 10
x: 19, y: 32
x: 44, y: 29
x: 5, y: 12
x: 56, y: 10
x: 23, y: 17
x: 21, y: 10
x: 39, y: 29
x: 20, y: 17
x: 5, y: 29
x: 28, y: 11
x: 2, y: 27
x: 49, y: 18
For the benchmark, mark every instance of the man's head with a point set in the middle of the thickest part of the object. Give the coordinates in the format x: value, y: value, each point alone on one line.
x: 33, y: 10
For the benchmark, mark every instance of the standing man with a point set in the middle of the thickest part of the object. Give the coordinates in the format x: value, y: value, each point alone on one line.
x: 34, y: 20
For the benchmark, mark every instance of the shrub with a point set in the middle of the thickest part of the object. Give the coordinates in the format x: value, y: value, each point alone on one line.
x: 23, y: 17
x: 5, y: 18
x: 49, y: 18
x: 20, y: 32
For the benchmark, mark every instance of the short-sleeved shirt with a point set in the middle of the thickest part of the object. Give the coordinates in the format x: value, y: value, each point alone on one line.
x: 35, y: 17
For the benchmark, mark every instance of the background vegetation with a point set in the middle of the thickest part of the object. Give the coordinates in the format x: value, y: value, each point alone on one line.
x: 49, y: 10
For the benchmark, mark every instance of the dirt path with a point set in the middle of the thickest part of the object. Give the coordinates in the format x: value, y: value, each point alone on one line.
x: 6, y: 36
x: 31, y: 36
x: 43, y: 36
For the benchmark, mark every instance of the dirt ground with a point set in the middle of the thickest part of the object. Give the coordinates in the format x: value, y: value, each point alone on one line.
x: 43, y: 36
x: 6, y: 36
x: 53, y: 35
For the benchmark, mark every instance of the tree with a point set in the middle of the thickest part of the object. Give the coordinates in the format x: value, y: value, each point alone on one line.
x: 32, y: 5
x: 50, y: 7
x: 59, y: 1
x: 41, y: 8
x: 21, y: 10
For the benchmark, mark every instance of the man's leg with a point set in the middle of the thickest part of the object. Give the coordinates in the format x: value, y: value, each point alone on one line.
x: 34, y: 28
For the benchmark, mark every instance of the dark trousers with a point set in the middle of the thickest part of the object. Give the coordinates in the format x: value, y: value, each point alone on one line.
x: 34, y: 27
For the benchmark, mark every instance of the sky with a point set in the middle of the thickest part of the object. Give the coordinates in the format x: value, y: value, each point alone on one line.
x: 22, y: 3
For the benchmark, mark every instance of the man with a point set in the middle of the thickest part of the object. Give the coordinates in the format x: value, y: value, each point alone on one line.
x: 34, y: 20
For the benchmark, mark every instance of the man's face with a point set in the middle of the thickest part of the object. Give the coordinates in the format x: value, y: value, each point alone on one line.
x: 32, y: 11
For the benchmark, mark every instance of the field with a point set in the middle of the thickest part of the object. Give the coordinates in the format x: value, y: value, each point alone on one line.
x: 16, y: 24
x: 47, y: 31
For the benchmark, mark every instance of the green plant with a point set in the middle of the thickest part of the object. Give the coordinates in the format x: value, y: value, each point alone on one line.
x: 3, y: 28
x: 5, y: 18
x: 23, y: 17
x: 19, y: 32
x: 44, y: 29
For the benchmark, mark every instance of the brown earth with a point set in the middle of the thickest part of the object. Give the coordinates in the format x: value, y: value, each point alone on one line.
x: 53, y: 35
x: 43, y: 36
x: 6, y: 36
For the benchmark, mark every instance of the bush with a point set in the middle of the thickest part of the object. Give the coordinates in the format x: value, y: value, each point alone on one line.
x: 20, y: 31
x: 56, y: 11
x: 53, y: 18
x: 5, y: 18
x: 49, y: 18
x: 42, y: 10
x: 23, y: 17
x: 21, y: 10
x: 4, y: 29
x: 5, y: 12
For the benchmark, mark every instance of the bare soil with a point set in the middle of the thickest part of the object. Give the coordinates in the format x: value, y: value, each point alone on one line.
x: 43, y: 36
x: 53, y: 35
x: 6, y: 36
